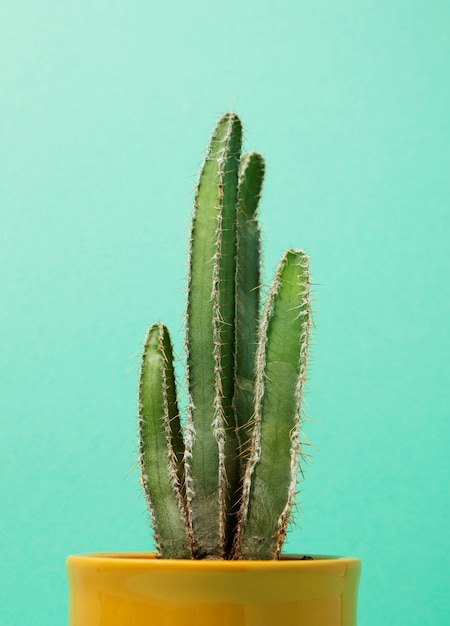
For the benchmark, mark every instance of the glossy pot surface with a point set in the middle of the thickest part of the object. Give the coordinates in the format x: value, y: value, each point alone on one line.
x: 138, y: 589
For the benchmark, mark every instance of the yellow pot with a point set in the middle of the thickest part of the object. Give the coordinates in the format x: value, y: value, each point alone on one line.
x: 141, y: 590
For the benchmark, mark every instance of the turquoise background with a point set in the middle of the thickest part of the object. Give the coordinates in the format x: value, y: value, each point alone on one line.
x: 105, y: 112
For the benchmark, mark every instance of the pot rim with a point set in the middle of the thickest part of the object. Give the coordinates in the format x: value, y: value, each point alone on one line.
x: 143, y: 559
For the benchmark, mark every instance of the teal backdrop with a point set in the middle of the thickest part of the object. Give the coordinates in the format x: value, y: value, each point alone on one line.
x: 105, y: 111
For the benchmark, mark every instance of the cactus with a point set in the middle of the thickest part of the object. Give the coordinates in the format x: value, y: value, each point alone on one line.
x: 224, y: 489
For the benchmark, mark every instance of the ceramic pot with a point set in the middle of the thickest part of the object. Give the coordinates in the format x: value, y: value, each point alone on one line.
x: 141, y: 590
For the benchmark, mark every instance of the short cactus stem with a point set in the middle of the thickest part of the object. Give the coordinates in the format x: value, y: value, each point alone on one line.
x: 270, y: 479
x: 161, y: 446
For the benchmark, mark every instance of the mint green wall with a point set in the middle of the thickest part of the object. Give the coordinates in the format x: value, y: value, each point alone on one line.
x: 105, y: 110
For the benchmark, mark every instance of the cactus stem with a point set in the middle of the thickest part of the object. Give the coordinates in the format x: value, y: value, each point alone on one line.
x: 248, y: 278
x: 161, y: 446
x: 267, y: 495
x: 209, y: 343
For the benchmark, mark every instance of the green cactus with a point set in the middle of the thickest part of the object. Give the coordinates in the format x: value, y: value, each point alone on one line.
x: 225, y: 489
x: 162, y: 446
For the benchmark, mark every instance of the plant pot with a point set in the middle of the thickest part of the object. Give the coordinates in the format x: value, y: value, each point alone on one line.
x: 137, y: 589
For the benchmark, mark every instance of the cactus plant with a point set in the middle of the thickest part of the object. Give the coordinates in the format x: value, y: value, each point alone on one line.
x: 223, y: 486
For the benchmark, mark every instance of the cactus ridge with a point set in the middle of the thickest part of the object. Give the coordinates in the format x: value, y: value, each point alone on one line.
x: 228, y: 488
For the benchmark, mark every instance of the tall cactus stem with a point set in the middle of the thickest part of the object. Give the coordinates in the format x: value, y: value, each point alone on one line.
x: 211, y: 464
x: 161, y: 447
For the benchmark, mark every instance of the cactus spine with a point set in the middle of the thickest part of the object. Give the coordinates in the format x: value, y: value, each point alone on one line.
x: 226, y: 489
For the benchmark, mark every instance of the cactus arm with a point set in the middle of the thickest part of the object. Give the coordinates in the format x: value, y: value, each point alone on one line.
x: 270, y: 480
x: 248, y: 279
x: 211, y: 462
x: 161, y: 446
